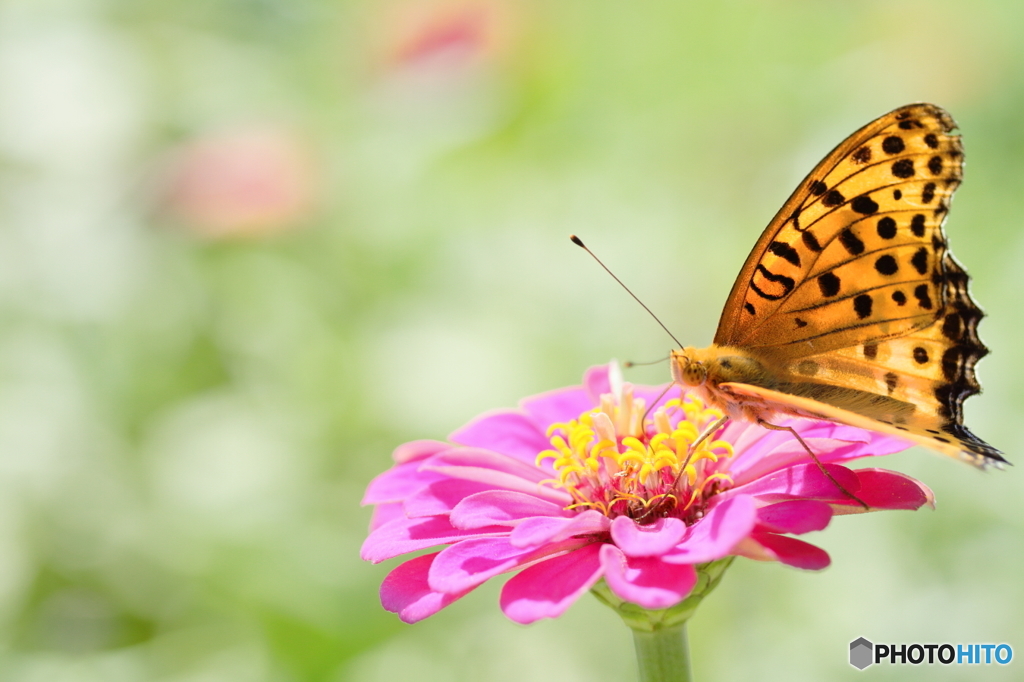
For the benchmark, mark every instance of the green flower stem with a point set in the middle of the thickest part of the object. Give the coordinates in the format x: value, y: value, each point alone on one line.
x: 659, y: 635
x: 663, y: 655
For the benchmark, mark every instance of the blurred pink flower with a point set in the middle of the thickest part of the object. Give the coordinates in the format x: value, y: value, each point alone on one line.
x: 595, y: 481
x: 446, y: 33
x: 245, y: 181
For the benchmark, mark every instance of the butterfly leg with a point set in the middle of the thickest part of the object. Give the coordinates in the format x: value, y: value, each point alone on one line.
x: 704, y: 435
x: 791, y: 430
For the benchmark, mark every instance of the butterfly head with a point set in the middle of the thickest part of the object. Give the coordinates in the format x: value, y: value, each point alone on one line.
x: 686, y: 369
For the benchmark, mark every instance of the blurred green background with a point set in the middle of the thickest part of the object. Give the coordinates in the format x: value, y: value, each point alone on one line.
x: 247, y: 247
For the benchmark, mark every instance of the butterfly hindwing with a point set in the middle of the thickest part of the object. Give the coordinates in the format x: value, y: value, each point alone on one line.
x: 973, y: 450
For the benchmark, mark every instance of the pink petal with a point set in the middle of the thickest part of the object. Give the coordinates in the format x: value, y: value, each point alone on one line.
x: 557, y: 406
x: 547, y: 589
x: 405, y: 591
x: 540, y: 530
x: 488, y: 459
x: 655, y: 396
x: 883, y: 489
x: 714, y: 536
x: 398, y: 483
x: 790, y: 453
x: 793, y: 552
x: 501, y: 508
x: 509, y: 432
x: 875, y: 444
x: 418, y: 449
x: 441, y: 497
x: 742, y: 434
x: 498, y: 479
x: 646, y: 581
x: 384, y: 513
x: 796, y: 482
x: 761, y: 450
x: 595, y: 380
x: 795, y: 516
x: 653, y: 539
x: 469, y: 563
x: 409, y: 535
x: 751, y: 549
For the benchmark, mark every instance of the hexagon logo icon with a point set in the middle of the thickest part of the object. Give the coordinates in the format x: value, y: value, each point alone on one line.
x: 861, y: 653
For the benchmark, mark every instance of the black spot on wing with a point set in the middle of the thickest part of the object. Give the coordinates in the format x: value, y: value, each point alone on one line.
x: 920, y: 260
x: 904, y: 168
x: 787, y: 283
x: 886, y: 228
x: 785, y: 251
x: 924, y: 299
x: 829, y: 284
x: 810, y: 241
x: 886, y: 265
x: 953, y: 327
x: 818, y: 188
x: 862, y: 305
x: 864, y: 205
x: 893, y: 145
x: 833, y: 198
x: 917, y: 225
x: 928, y: 193
x: 851, y: 242
x: 862, y: 155
x: 953, y: 362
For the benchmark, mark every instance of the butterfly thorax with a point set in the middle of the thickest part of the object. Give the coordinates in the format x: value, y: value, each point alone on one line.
x: 706, y: 369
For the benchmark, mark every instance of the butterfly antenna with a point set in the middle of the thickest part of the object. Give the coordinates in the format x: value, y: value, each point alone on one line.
x: 630, y: 363
x: 579, y: 242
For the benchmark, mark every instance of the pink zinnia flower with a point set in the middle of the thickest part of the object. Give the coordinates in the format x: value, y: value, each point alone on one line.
x: 598, y: 481
x: 247, y: 181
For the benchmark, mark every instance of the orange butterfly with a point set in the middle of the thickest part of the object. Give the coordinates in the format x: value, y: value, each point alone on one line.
x: 851, y: 307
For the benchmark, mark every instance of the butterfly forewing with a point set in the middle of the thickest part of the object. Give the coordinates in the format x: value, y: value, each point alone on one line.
x: 842, y: 260
x: 852, y: 296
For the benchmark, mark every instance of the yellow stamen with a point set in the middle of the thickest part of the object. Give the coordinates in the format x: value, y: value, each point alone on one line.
x: 610, y: 455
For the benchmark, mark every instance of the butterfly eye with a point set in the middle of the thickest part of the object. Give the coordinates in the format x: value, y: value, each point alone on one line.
x: 694, y: 373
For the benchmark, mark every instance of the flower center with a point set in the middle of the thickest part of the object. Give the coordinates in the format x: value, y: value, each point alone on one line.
x: 619, y: 461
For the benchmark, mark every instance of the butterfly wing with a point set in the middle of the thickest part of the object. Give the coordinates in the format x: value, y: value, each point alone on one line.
x: 852, y: 286
x: 817, y: 407
x: 821, y: 276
